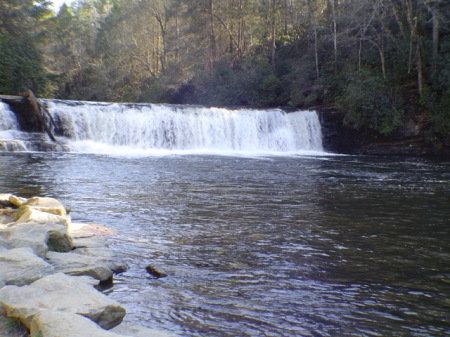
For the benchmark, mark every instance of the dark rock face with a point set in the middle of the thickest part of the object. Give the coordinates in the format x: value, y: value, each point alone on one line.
x: 26, y: 118
x: 339, y: 138
x: 336, y: 137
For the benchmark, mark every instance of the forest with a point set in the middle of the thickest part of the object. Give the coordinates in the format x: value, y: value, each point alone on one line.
x: 385, y: 63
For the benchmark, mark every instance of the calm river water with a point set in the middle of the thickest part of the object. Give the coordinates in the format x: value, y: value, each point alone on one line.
x: 267, y: 246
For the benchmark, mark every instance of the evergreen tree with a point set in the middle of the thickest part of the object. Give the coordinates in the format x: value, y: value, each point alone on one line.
x: 21, y: 63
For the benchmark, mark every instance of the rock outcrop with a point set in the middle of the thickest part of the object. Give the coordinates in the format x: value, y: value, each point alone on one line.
x: 409, y: 139
x: 51, y: 270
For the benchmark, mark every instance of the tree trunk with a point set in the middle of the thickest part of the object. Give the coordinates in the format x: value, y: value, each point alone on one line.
x: 316, y: 53
x: 382, y: 51
x: 413, y: 19
x: 420, y: 76
x: 435, y: 19
x: 398, y: 19
x: 333, y: 7
x: 177, y: 38
x: 383, y: 61
x: 273, y: 29
x: 212, y: 37
x: 36, y: 116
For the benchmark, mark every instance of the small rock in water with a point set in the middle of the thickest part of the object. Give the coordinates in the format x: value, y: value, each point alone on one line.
x: 152, y: 271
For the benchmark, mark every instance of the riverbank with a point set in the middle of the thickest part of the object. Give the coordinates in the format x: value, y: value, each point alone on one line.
x: 407, y: 140
x: 45, y: 260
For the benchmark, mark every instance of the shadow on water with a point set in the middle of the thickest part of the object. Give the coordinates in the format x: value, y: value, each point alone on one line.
x: 26, y: 174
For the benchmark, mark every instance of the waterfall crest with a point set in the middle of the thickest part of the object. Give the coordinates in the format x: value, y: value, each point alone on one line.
x: 97, y: 127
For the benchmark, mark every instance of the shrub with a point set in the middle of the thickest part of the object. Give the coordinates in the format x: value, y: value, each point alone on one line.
x: 371, y: 103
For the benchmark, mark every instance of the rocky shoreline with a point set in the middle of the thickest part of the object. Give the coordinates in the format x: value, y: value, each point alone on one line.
x: 53, y: 270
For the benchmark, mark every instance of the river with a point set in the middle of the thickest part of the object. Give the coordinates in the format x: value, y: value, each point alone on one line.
x: 267, y: 245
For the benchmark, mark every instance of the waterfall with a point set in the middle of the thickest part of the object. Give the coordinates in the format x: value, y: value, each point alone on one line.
x: 113, y: 128
x: 9, y: 131
x: 8, y: 119
x: 104, y: 127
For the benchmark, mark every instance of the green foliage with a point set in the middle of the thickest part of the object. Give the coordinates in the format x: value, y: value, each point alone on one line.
x: 436, y: 96
x: 227, y: 86
x: 157, y: 93
x: 371, y: 103
x: 303, y: 89
x: 54, y: 246
x: 269, y: 90
x: 21, y: 67
x: 250, y: 82
x: 12, y: 325
x: 21, y: 64
x: 438, y: 103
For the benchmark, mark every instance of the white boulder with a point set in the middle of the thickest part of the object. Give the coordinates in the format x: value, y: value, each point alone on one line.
x: 30, y: 214
x: 17, y: 201
x: 104, y: 255
x: 39, y: 237
x: 77, y: 264
x: 21, y: 267
x: 51, y: 323
x: 89, y: 229
x: 48, y: 205
x: 60, y: 292
x: 5, y: 196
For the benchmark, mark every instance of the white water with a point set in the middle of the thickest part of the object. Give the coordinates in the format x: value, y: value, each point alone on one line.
x: 165, y: 129
x: 161, y: 129
x: 9, y: 131
x: 8, y: 120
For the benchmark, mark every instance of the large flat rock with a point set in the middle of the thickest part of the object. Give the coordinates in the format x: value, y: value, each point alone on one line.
x: 89, y: 239
x: 77, y: 264
x: 105, y: 255
x: 40, y: 237
x: 21, y: 266
x: 49, y: 323
x: 60, y: 292
x: 89, y: 229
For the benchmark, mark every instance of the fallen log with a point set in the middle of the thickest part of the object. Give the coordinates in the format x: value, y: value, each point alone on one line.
x: 41, y: 113
x: 11, y: 98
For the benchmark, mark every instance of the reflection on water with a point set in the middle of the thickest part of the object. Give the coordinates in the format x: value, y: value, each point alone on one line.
x: 278, y: 246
